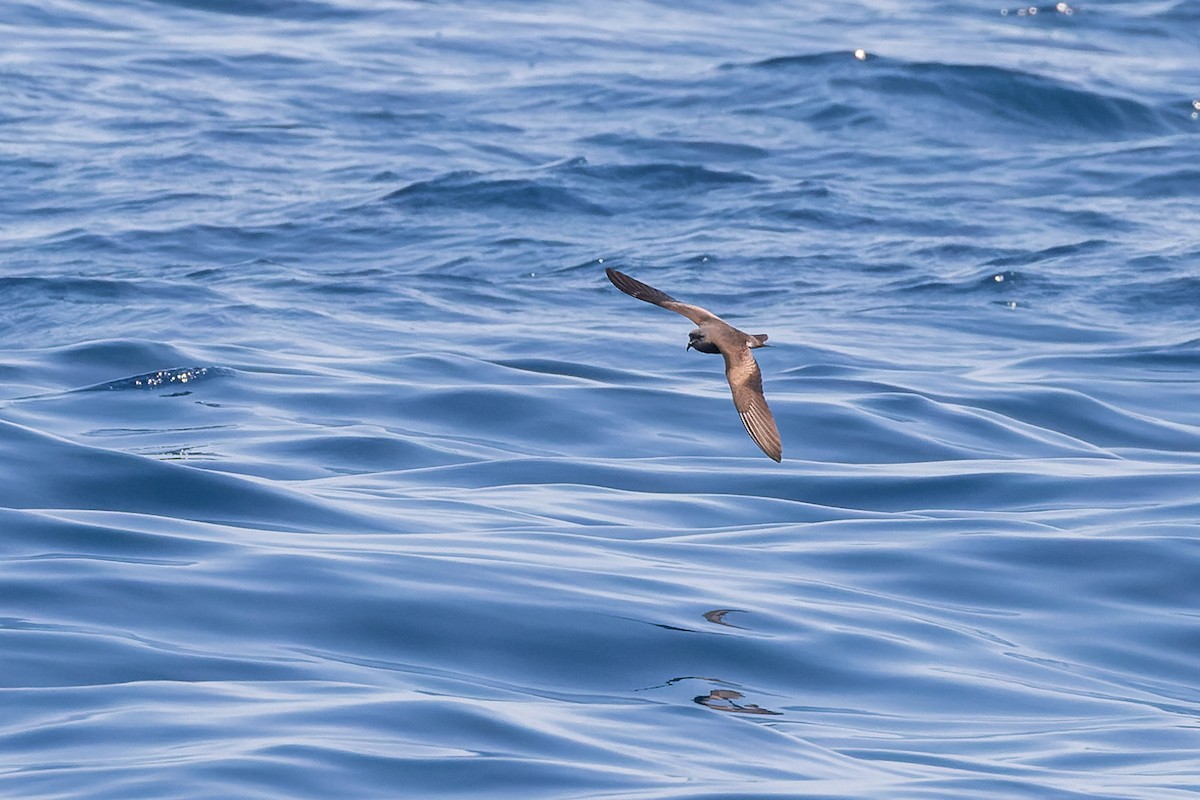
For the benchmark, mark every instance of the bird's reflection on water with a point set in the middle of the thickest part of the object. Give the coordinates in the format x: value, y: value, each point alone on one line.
x: 726, y: 700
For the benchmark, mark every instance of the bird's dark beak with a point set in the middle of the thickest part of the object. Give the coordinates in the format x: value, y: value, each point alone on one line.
x: 689, y: 347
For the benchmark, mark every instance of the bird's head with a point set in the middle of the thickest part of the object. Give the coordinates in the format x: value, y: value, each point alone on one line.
x: 699, y: 340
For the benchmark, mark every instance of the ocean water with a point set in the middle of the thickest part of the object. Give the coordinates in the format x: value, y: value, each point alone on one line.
x: 333, y: 466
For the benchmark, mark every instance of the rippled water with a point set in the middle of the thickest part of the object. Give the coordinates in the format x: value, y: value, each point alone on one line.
x: 333, y: 466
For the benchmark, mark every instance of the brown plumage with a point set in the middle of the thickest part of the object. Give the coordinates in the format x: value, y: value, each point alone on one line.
x: 715, y: 335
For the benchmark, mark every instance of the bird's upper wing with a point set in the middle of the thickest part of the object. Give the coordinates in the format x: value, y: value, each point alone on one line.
x: 635, y: 288
x: 745, y: 380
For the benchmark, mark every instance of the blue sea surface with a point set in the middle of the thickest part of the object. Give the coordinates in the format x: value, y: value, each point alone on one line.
x: 334, y: 467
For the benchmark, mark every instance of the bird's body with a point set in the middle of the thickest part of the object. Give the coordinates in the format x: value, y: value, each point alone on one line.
x: 714, y: 335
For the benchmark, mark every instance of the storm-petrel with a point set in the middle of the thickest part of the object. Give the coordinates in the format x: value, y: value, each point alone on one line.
x: 715, y: 335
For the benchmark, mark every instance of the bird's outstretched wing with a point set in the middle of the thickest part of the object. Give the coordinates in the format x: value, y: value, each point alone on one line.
x: 635, y: 288
x: 745, y: 381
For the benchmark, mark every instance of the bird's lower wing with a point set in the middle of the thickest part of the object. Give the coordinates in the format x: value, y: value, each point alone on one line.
x: 745, y: 381
x: 635, y: 288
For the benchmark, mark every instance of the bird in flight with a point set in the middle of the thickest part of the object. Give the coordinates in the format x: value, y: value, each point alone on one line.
x: 715, y: 335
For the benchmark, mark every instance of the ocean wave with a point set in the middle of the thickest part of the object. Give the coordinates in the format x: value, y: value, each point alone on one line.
x: 974, y: 96
x: 680, y: 150
x: 173, y: 378
x: 294, y: 10
x: 66, y: 475
x: 469, y: 190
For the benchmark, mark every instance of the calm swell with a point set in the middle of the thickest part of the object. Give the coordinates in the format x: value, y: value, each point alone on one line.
x: 334, y: 466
